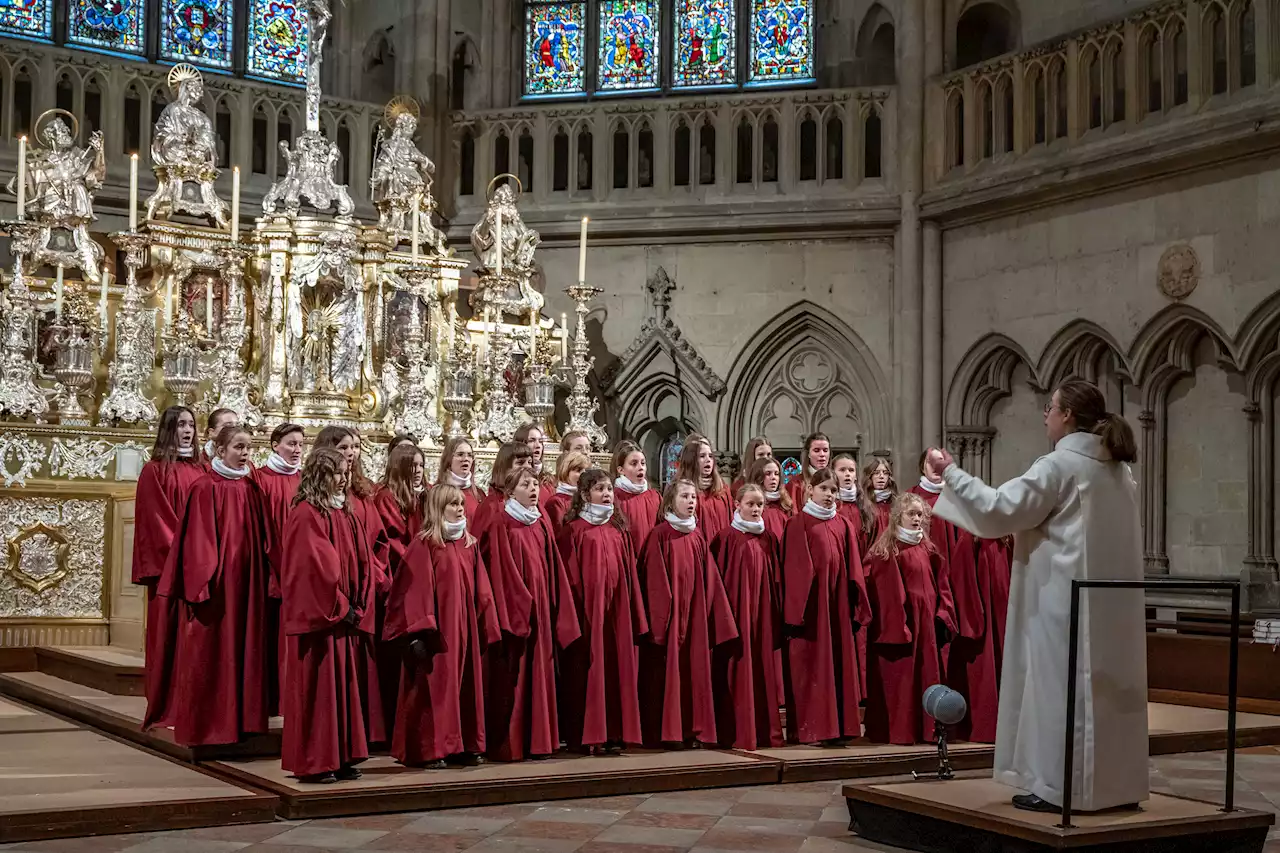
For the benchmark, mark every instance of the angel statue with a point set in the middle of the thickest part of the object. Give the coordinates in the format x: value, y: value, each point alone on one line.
x: 401, y: 174
x: 184, y: 149
x: 518, y: 241
x: 61, y: 181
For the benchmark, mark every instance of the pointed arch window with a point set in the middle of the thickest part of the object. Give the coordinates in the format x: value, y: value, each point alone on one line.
x: 32, y: 19
x: 198, y: 31
x: 629, y: 46
x: 555, y: 36
x: 781, y: 41
x: 706, y: 44
x: 117, y: 26
x: 278, y: 40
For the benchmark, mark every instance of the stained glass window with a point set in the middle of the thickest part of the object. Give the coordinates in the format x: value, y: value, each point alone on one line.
x: 554, y: 58
x: 31, y: 19
x: 790, y: 469
x: 706, y: 43
x: 629, y: 45
x: 198, y: 31
x: 671, y: 451
x: 781, y: 41
x: 107, y: 24
x: 279, y: 36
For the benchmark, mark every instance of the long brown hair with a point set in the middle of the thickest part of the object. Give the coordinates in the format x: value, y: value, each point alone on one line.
x: 621, y: 451
x: 399, y: 479
x: 331, y: 437
x: 582, y: 497
x: 165, y: 448
x: 755, y: 474
x: 508, y: 455
x: 749, y: 452
x: 867, y: 500
x: 433, y: 514
x: 806, y: 470
x: 687, y: 467
x: 315, y: 484
x: 361, y: 486
x: 669, y: 495
x: 1089, y: 409
x: 395, y: 441
x: 887, y: 545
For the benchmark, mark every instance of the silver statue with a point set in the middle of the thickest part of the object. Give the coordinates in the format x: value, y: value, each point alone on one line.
x: 61, y: 181
x: 311, y: 168
x: 402, y: 176
x: 519, y: 242
x: 184, y: 149
x: 327, y: 317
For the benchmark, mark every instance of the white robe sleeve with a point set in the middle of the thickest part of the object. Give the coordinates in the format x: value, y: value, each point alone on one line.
x: 1021, y: 504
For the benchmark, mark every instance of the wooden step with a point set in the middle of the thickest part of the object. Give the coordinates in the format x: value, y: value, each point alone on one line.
x: 111, y: 670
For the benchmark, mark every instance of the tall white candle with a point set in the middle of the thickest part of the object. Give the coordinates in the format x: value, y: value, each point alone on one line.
x: 235, y: 204
x: 582, y: 252
x: 102, y: 292
x: 417, y: 207
x: 533, y: 332
x: 22, y: 177
x: 57, y: 295
x: 208, y: 305
x: 168, y: 306
x: 497, y: 237
x: 564, y: 338
x: 133, y: 192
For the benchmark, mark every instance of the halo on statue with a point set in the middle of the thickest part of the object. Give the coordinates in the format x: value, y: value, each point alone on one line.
x: 398, y: 106
x: 488, y: 193
x: 75, y: 122
x: 181, y: 73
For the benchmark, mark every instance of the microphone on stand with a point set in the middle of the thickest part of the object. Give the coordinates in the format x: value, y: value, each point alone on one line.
x: 947, y: 707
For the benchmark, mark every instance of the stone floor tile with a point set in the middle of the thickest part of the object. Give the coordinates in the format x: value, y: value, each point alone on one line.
x: 602, y: 817
x: 250, y: 833
x: 533, y: 828
x: 676, y: 804
x: 614, y: 847
x: 780, y: 811
x: 509, y: 811
x: 313, y: 835
x: 95, y: 844
x: 187, y: 845
x: 652, y: 835
x: 384, y: 822
x: 512, y: 844
x: 669, y: 820
x: 422, y: 842
x: 623, y: 803
x: 293, y: 848
x: 785, y: 795
x: 838, y: 812
x: 769, y: 825
x: 455, y: 823
x: 738, y: 840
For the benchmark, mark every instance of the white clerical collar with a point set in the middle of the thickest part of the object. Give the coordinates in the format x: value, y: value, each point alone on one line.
x: 537, y: 468
x: 753, y: 527
x: 773, y: 497
x: 455, y: 530
x: 930, y: 486
x: 338, y: 501
x: 596, y: 514
x: 883, y: 495
x: 419, y: 488
x: 521, y: 513
x: 186, y: 452
x: 629, y: 487
x: 224, y: 470
x: 684, y: 525
x: 277, y: 463
x: 910, y: 537
x: 848, y: 496
x: 459, y: 482
x: 209, y: 449
x: 565, y: 489
x: 819, y: 511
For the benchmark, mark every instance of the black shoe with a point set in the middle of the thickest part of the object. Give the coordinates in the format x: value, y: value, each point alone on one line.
x: 318, y: 779
x: 438, y: 764
x: 347, y: 774
x: 1032, y: 803
x: 539, y: 756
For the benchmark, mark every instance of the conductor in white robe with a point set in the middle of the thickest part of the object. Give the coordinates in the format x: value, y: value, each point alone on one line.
x: 1073, y: 515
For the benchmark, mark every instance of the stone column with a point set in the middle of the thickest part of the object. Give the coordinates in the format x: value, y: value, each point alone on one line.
x: 907, y: 294
x: 931, y: 334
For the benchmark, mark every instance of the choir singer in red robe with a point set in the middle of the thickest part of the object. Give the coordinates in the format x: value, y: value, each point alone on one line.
x: 536, y: 613
x: 747, y: 674
x: 757, y: 448
x: 631, y: 491
x: 824, y: 604
x: 569, y: 468
x: 601, y: 709
x: 163, y: 486
x: 778, y: 509
x: 915, y: 618
x: 218, y: 570
x: 399, y: 500
x: 511, y: 456
x: 815, y: 456
x: 441, y: 604
x: 329, y: 584
x: 218, y: 420
x: 688, y: 615
x: 457, y: 469
x: 698, y: 465
x: 879, y: 490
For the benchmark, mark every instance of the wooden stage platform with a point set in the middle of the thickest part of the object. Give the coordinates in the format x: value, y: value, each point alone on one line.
x: 976, y: 816
x: 59, y: 779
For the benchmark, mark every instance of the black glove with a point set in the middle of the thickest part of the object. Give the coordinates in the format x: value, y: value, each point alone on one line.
x: 353, y: 616
x: 420, y: 649
x: 944, y: 633
x: 856, y: 625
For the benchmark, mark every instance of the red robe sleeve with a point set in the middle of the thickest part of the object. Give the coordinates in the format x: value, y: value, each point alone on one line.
x: 312, y: 576
x: 411, y: 603
x: 157, y: 525
x: 963, y: 589
x: 946, y: 603
x: 486, y: 611
x: 797, y: 572
x: 889, y: 601
x: 861, y: 609
x: 722, y: 626
x: 653, y: 572
x: 195, y: 560
x: 394, y: 525
x: 639, y: 618
x: 513, y: 601
x: 567, y: 627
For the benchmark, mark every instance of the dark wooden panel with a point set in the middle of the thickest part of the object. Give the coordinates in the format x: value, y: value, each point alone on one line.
x: 1199, y: 665
x: 116, y: 679
x: 135, y: 817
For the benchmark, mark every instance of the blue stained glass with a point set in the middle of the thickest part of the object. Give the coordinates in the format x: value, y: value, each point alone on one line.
x: 554, y: 59
x: 31, y: 19
x: 107, y: 24
x: 197, y: 31
x: 781, y: 40
x: 671, y: 458
x: 790, y: 469
x: 629, y: 45
x: 706, y: 43
x: 279, y: 39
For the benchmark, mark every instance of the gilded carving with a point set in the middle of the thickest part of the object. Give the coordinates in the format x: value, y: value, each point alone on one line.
x: 26, y: 453
x: 1178, y: 273
x: 81, y: 458
x: 38, y: 557
x: 40, y: 580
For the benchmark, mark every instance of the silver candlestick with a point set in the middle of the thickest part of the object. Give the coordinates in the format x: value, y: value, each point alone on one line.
x: 498, y: 417
x: 19, y: 395
x: 417, y: 415
x: 233, y: 384
x: 539, y: 384
x: 126, y: 402
x: 582, y: 408
x: 72, y: 367
x: 182, y: 349
x: 459, y: 392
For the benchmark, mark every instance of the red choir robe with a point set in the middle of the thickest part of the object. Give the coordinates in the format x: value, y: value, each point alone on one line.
x: 747, y: 675
x: 488, y: 510
x: 824, y: 603
x: 554, y: 509
x: 399, y: 530
x: 715, y: 513
x: 329, y: 584
x: 160, y: 504
x: 909, y: 596
x: 471, y: 500
x: 973, y: 667
x: 795, y: 488
x: 641, y: 511
x: 442, y: 596
x: 535, y: 611
x: 218, y: 572
x: 738, y: 483
x: 850, y: 510
x: 599, y: 689
x: 776, y: 518
x: 689, y: 615
x: 880, y: 523
x: 277, y: 491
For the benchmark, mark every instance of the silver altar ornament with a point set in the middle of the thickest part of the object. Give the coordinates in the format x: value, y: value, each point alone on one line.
x: 539, y: 392
x: 20, y: 397
x: 184, y: 150
x: 182, y: 351
x: 126, y: 402
x: 415, y: 409
x: 498, y: 419
x: 505, y: 273
x: 403, y: 177
x: 327, y: 325
x: 459, y: 391
x: 233, y: 385
x: 72, y: 337
x: 61, y: 181
x: 311, y: 168
x: 582, y: 408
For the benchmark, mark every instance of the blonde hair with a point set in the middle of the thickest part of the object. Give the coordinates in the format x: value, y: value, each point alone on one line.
x: 438, y: 499
x: 887, y: 546
x: 750, y: 487
x: 570, y: 462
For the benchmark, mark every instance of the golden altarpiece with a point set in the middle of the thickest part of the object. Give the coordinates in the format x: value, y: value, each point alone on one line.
x: 306, y: 315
